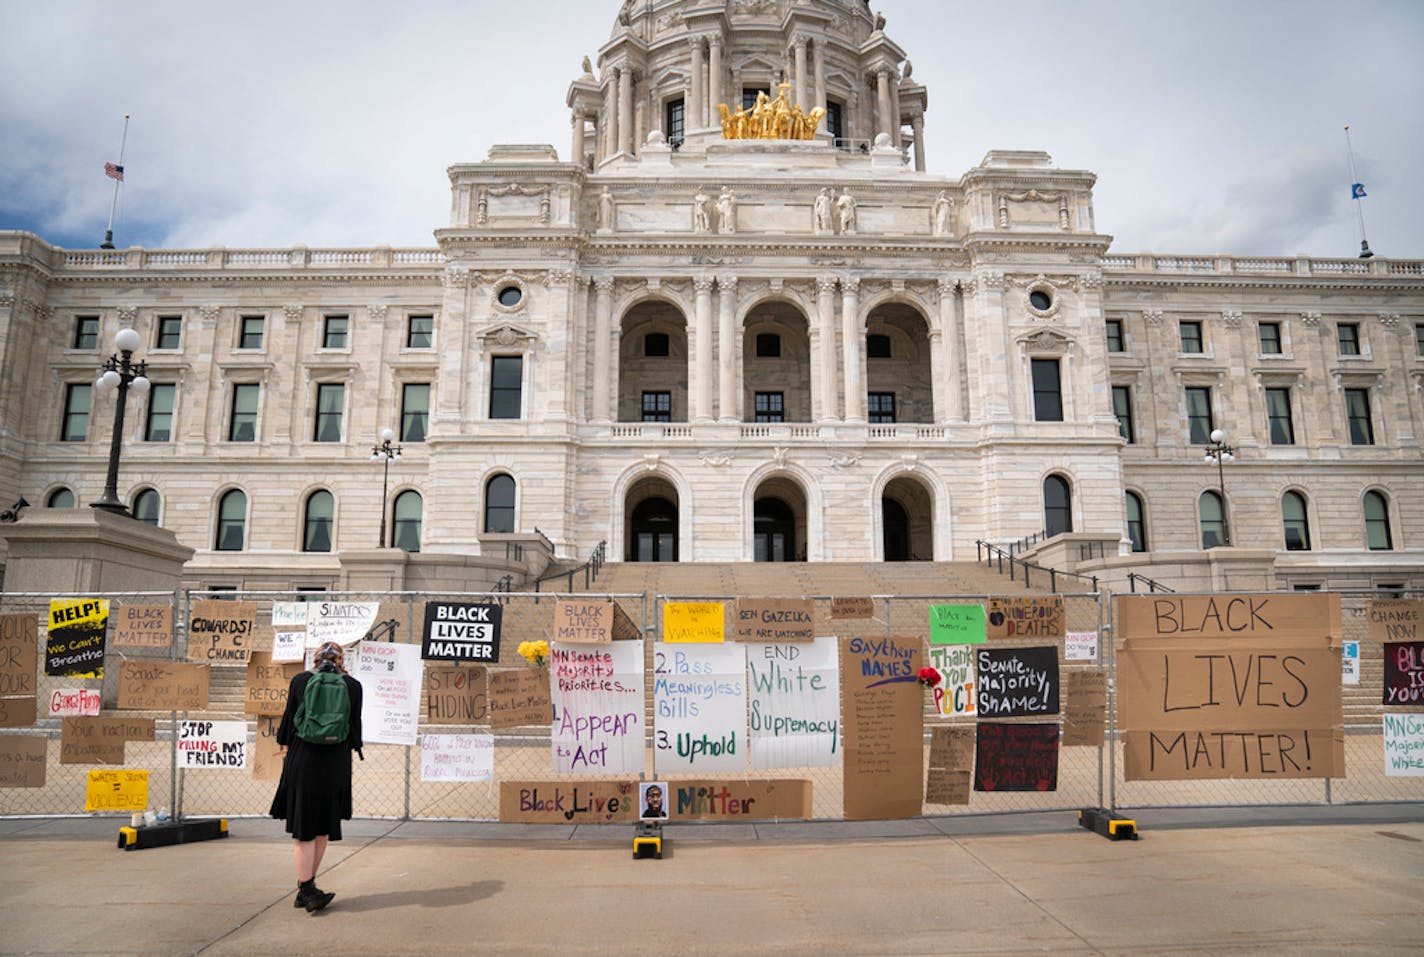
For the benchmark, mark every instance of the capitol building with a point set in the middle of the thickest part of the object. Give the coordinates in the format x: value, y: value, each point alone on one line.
x: 737, y: 317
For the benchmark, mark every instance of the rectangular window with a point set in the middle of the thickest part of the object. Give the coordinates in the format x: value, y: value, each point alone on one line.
x: 1122, y: 408
x: 1191, y: 333
x: 1419, y: 338
x: 242, y: 420
x: 158, y: 426
x: 880, y: 406
x: 415, y: 411
x: 250, y: 332
x: 76, y: 412
x: 168, y: 332
x: 330, y: 398
x: 1357, y: 410
x: 86, y: 332
x: 1199, y: 424
x: 1115, y: 341
x: 1270, y: 335
x: 676, y: 116
x: 1047, y: 393
x: 333, y: 332
x: 768, y: 407
x: 749, y: 96
x: 506, y: 387
x: 835, y: 124
x: 657, y: 406
x: 1278, y: 414
x: 420, y: 332
x: 1348, y: 335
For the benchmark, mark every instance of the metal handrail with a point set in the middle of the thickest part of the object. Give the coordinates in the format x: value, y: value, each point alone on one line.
x: 1152, y: 586
x: 589, y: 568
x: 989, y: 554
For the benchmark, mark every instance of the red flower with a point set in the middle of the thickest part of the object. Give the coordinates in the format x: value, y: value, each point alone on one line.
x: 929, y: 677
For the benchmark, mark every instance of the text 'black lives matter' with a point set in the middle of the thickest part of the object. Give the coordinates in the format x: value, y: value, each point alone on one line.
x: 461, y: 631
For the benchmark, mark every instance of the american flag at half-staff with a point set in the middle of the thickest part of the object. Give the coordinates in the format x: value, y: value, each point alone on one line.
x: 114, y: 171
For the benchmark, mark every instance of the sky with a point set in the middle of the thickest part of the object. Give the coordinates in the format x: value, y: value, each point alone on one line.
x: 1214, y: 126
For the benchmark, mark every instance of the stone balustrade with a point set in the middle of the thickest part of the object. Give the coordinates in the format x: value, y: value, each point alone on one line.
x: 299, y: 257
x: 1139, y: 263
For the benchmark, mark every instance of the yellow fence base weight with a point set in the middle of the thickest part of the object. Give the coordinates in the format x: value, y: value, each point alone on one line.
x: 1105, y: 823
x: 178, y: 832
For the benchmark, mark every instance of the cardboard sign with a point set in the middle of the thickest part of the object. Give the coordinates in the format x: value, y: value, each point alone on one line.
x: 163, y: 686
x: 1294, y: 615
x: 214, y: 745
x: 390, y: 686
x: 221, y: 632
x: 1016, y: 682
x: 1035, y: 616
x: 1086, y: 713
x: 74, y: 644
x: 1404, y: 745
x: 1266, y: 753
x: 1080, y: 646
x: 716, y: 800
x: 948, y: 786
x: 519, y: 699
x: 883, y: 708
x: 599, y: 704
x: 18, y: 712
x: 457, y: 757
x: 267, y: 684
x: 952, y: 746
x: 1404, y: 673
x: 795, y: 694
x: 461, y: 631
x: 700, y: 708
x: 859, y: 608
x: 778, y: 620
x: 344, y: 622
x: 100, y: 740
x: 455, y: 695
x: 23, y: 758
x: 116, y: 791
x: 954, y: 692
x: 1396, y: 619
x: 19, y: 664
x: 583, y: 622
x: 1016, y: 757
x: 143, y: 626
x: 957, y: 624
x: 694, y: 621
x: 75, y: 702
x: 563, y: 802
x: 266, y: 762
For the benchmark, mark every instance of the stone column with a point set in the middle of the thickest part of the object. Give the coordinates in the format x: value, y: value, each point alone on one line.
x: 610, y: 113
x: 895, y: 123
x: 818, y: 67
x: 850, y: 343
x: 948, y: 404
x: 576, y: 142
x: 800, y: 89
x: 882, y: 101
x: 602, y: 340
x: 825, y: 370
x: 701, y: 352
x: 625, y: 110
x: 714, y: 78
x: 917, y: 123
x: 698, y: 72
x: 726, y: 348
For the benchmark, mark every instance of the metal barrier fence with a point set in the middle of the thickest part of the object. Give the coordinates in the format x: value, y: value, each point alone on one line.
x: 388, y: 783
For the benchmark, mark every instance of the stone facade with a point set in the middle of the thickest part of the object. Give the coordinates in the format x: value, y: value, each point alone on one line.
x: 716, y: 350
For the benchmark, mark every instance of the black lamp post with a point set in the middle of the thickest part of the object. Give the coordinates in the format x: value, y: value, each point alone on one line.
x: 1218, y: 451
x: 122, y: 373
x: 384, y: 452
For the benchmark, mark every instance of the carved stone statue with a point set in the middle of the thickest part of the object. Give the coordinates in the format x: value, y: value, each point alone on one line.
x: 727, y: 211
x: 701, y: 213
x: 905, y: 74
x: 942, y: 213
x: 605, y: 209
x: 880, y: 21
x: 821, y: 214
x: 587, y: 67
x: 845, y: 207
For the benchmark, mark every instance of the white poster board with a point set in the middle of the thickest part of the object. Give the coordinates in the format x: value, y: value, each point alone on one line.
x: 343, y: 622
x: 1350, y: 663
x: 73, y: 703
x: 288, y: 646
x: 212, y: 745
x: 598, y: 707
x: 795, y: 705
x: 289, y: 614
x: 390, y: 686
x: 457, y: 757
x: 699, y: 708
x: 1080, y: 646
x: 954, y: 694
x: 1404, y: 745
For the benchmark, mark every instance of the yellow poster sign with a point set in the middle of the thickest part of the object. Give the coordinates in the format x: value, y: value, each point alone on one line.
x: 116, y: 791
x: 694, y: 621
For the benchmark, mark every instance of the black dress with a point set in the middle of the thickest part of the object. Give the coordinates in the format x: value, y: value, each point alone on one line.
x: 314, y: 794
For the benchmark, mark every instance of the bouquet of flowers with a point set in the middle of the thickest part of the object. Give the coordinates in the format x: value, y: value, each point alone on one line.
x: 929, y: 677
x: 535, y: 652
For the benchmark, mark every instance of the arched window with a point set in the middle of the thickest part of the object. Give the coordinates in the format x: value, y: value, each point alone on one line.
x: 60, y: 498
x: 1057, y: 506
x: 499, y: 505
x: 1136, y: 527
x: 1377, y: 533
x: 1295, y: 522
x: 316, y: 529
x: 405, y: 528
x: 1213, y: 521
x: 145, y: 506
x: 232, y: 521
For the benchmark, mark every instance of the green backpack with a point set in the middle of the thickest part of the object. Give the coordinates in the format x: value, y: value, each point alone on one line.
x: 324, y: 716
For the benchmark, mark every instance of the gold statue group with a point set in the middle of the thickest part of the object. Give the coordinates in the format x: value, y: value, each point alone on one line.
x: 770, y: 119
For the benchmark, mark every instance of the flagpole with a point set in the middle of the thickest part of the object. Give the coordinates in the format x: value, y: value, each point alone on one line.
x: 108, y: 242
x: 1359, y: 209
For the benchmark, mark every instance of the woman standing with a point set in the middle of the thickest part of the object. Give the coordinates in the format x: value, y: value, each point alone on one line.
x: 314, y: 794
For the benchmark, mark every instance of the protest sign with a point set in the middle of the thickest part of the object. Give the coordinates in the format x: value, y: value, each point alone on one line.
x: 289, y: 615
x: 456, y: 695
x: 562, y: 802
x: 738, y: 800
x: 266, y: 762
x: 795, y: 704
x: 457, y: 757
x: 344, y: 622
x: 461, y: 631
x: 583, y: 622
x: 148, y: 685
x: 289, y: 646
x: 953, y: 694
x: 957, y: 624
x: 217, y: 745
x: 100, y: 740
x: 850, y: 607
x: 74, y: 643
x: 143, y: 626
x: 19, y: 664
x: 773, y: 619
x: 1396, y: 619
x: 1035, y: 616
x: 1080, y: 646
x: 1404, y: 673
x: 519, y: 698
x: 267, y: 684
x: 700, y: 708
x: 23, y: 758
x: 1404, y: 745
x: 390, y: 687
x: 116, y: 791
x: 1016, y: 757
x: 598, y: 702
x: 948, y: 786
x: 1350, y: 663
x: 703, y: 621
x: 883, y: 709
x: 1294, y: 615
x: 1085, y: 714
x: 77, y: 702
x: 221, y: 632
x: 1016, y: 682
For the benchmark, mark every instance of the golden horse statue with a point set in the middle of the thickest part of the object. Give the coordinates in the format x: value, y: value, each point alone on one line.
x: 769, y: 119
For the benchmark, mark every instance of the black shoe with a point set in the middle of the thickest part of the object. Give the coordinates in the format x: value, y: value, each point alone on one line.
x: 312, y: 897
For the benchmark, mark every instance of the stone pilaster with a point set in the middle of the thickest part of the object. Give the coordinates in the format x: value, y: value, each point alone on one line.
x: 851, y: 344
x: 727, y: 348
